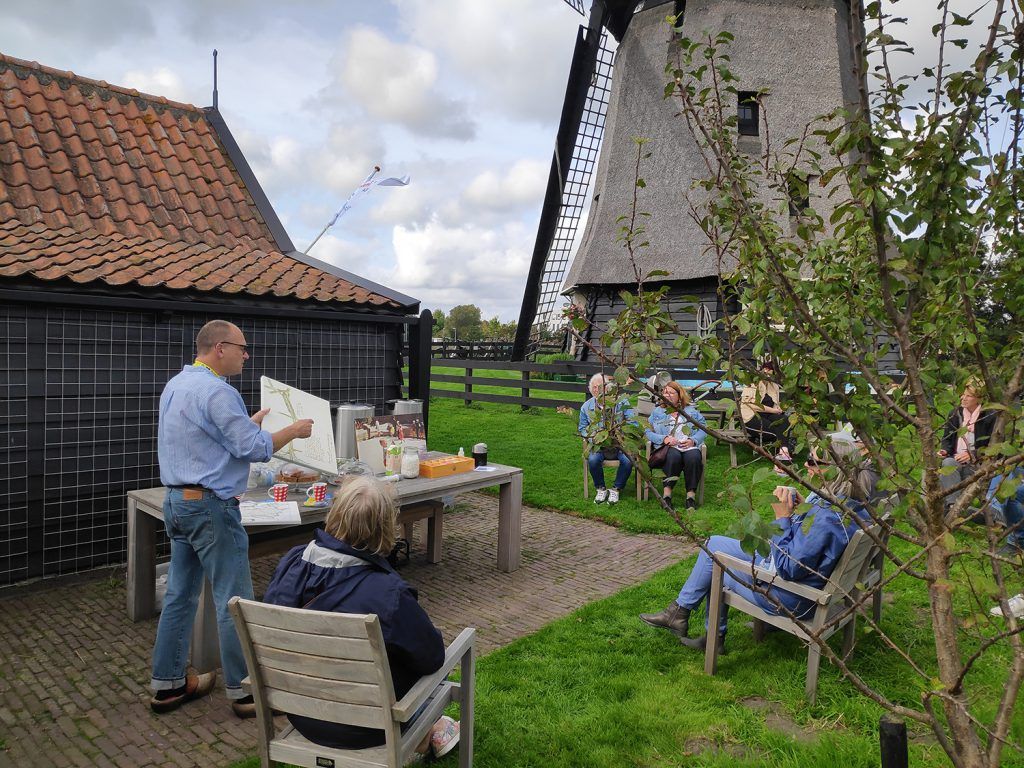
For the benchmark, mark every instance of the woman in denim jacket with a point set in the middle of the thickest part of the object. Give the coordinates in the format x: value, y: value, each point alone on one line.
x: 680, y: 426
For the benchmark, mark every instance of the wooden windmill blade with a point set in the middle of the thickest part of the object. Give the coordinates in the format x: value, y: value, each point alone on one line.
x: 577, y: 146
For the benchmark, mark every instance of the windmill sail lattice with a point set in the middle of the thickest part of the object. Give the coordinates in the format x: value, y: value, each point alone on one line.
x: 575, y: 193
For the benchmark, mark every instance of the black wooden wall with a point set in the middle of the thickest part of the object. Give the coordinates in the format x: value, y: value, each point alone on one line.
x: 79, y: 395
x: 605, y: 303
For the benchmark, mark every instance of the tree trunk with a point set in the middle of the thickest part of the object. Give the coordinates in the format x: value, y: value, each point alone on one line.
x: 965, y: 747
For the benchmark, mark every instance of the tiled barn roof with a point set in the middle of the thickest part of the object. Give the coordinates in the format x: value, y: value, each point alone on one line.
x: 102, y: 183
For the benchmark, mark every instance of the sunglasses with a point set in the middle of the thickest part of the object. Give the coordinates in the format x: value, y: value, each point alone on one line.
x: 813, y: 462
x: 243, y: 347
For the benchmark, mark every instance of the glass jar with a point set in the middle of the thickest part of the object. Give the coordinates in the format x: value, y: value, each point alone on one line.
x: 410, y: 462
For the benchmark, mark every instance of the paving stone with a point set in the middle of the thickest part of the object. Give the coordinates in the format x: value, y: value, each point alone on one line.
x: 85, y: 701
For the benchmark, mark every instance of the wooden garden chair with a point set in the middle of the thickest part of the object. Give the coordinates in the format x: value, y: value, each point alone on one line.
x: 835, y: 597
x: 700, y: 487
x: 334, y: 667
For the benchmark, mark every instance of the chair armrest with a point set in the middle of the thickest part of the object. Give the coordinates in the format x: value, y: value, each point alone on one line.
x: 420, y: 692
x: 769, y: 577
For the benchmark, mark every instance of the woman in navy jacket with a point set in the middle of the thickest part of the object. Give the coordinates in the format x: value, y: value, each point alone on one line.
x: 344, y: 570
x: 680, y: 427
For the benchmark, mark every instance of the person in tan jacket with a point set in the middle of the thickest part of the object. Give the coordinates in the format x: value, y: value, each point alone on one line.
x: 762, y: 413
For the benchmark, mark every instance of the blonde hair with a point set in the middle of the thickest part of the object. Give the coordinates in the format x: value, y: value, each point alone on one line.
x: 364, y: 516
x: 684, y: 396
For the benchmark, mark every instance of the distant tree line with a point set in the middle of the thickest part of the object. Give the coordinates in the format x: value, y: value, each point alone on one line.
x: 465, y: 323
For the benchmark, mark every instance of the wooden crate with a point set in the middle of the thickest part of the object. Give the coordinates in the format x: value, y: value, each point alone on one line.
x: 446, y: 466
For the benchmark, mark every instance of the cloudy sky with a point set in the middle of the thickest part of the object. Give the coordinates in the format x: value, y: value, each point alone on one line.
x: 463, y: 95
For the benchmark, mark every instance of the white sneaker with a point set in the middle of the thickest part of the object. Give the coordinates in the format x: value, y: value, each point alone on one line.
x: 613, y: 496
x: 1016, y: 607
x: 602, y: 496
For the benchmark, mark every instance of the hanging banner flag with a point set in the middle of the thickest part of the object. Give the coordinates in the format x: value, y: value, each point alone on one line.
x: 370, y: 182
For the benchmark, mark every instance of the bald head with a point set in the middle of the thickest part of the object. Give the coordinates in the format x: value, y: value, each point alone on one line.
x: 211, y: 333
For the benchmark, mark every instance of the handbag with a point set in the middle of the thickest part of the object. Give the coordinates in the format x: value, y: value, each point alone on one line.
x: 658, y: 457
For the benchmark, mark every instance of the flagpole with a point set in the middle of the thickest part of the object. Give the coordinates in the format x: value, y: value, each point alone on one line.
x: 367, y: 180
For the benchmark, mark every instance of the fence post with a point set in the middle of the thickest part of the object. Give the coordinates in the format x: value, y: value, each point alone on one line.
x: 526, y: 388
x: 892, y: 736
x: 468, y: 387
x: 420, y: 346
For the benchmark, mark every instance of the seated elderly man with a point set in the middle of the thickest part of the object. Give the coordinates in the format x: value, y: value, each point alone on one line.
x: 806, y: 549
x: 592, y: 422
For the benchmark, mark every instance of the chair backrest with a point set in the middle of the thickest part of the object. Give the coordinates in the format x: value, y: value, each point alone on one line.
x: 844, y: 578
x: 329, y: 666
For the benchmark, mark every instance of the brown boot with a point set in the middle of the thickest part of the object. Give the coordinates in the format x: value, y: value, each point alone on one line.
x: 700, y: 643
x: 674, y: 617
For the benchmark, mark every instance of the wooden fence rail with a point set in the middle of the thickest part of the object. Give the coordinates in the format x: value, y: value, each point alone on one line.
x: 568, y: 376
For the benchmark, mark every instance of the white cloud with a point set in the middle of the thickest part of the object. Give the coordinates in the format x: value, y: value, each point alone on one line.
x: 523, y: 184
x: 398, y: 83
x: 160, y: 81
x: 513, y: 54
x: 445, y: 266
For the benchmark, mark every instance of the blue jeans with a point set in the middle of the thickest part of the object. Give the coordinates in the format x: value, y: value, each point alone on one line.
x: 207, y: 538
x: 1013, y: 514
x: 698, y: 584
x: 595, y: 462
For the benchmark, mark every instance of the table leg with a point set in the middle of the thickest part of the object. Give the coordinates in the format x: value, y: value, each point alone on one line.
x: 205, y: 635
x: 510, y: 523
x: 434, y: 533
x: 141, y: 563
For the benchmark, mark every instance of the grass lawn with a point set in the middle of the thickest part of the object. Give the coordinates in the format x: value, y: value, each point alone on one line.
x: 599, y: 688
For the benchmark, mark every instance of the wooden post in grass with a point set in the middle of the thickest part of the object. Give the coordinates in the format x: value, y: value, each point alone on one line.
x: 468, y: 387
x: 525, y: 388
x: 892, y: 735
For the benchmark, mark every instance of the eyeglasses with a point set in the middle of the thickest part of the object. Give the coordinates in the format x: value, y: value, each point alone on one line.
x: 813, y: 462
x: 243, y: 347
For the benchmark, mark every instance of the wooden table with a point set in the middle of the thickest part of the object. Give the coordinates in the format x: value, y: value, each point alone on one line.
x: 145, y: 518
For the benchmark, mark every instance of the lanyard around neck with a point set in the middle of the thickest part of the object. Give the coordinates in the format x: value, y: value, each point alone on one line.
x: 201, y: 364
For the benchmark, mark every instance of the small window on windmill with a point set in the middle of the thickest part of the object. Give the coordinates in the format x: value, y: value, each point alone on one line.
x: 704, y: 321
x: 747, y: 113
x: 798, y: 189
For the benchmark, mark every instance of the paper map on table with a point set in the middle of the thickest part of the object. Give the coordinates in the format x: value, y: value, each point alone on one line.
x: 269, y: 512
x: 288, y: 404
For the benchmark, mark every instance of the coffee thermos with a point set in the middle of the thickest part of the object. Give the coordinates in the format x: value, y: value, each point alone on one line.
x: 480, y: 455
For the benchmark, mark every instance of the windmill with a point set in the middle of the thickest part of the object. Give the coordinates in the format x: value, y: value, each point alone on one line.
x: 577, y: 144
x: 794, y: 55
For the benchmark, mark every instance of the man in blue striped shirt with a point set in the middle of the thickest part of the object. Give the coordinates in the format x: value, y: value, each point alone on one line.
x: 206, y: 440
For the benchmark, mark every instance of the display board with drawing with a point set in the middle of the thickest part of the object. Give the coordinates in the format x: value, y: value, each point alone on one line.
x: 374, y: 436
x: 287, y: 404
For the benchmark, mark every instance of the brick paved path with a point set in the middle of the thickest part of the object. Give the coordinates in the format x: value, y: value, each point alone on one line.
x: 74, y: 671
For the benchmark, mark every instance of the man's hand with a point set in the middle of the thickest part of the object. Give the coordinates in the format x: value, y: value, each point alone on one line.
x: 257, y: 418
x: 295, y: 430
x: 963, y: 458
x: 943, y: 453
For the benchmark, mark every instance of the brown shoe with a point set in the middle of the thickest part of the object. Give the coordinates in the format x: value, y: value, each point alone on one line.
x: 244, y: 707
x: 196, y: 686
x: 674, y: 617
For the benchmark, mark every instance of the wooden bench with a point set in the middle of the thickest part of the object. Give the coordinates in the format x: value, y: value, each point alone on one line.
x: 433, y: 512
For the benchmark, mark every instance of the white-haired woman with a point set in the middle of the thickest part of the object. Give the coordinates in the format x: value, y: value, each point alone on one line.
x: 593, y: 422
x: 344, y: 569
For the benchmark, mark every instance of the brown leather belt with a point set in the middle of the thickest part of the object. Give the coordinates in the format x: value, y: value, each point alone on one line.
x: 191, y: 492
